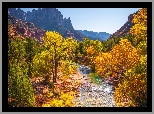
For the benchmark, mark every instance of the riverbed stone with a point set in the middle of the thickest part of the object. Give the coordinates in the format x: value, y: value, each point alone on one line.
x: 94, y: 95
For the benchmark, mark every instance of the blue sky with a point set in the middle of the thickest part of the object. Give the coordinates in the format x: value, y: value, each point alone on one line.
x: 96, y: 19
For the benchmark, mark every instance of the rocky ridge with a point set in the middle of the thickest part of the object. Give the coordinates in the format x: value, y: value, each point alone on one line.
x: 125, y: 29
x: 48, y: 19
x: 18, y: 27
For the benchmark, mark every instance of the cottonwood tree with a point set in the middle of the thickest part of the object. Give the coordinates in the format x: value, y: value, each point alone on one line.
x: 57, y: 49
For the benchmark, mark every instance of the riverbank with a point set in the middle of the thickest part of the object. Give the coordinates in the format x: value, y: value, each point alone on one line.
x: 92, y: 94
x: 89, y: 93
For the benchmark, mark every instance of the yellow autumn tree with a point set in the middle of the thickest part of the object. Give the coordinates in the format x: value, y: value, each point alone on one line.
x: 133, y: 91
x: 90, y: 50
x: 139, y: 30
x: 122, y: 57
x: 65, y: 100
x: 102, y: 64
x: 57, y: 58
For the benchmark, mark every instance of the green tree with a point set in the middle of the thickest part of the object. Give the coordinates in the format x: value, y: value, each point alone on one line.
x: 130, y: 38
x: 31, y: 49
x: 20, y: 90
x: 109, y: 44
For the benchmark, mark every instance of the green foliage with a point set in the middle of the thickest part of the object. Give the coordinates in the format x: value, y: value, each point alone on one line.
x: 130, y: 38
x: 109, y: 44
x: 142, y: 65
x: 88, y: 50
x: 95, y: 78
x: 31, y: 49
x: 143, y: 47
x: 20, y: 90
x: 67, y: 68
x: 42, y: 63
x: 15, y: 49
x: 116, y: 40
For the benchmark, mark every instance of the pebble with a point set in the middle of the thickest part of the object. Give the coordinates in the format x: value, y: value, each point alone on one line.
x: 93, y: 95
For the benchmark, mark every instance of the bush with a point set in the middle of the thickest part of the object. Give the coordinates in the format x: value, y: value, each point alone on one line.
x: 65, y: 100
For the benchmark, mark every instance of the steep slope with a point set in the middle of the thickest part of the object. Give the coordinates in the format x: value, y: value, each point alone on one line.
x: 48, y: 19
x: 125, y: 29
x: 17, y: 27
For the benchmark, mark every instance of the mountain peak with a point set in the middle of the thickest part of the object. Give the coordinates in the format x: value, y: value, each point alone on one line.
x: 48, y: 19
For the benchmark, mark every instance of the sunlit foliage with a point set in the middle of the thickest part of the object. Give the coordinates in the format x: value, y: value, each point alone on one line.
x: 139, y: 30
x: 133, y: 91
x: 64, y: 100
x: 122, y: 57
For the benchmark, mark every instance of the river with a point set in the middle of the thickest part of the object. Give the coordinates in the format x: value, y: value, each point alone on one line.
x: 92, y: 94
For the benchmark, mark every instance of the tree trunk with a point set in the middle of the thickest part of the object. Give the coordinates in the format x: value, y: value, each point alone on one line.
x: 55, y: 65
x: 55, y: 68
x: 53, y: 73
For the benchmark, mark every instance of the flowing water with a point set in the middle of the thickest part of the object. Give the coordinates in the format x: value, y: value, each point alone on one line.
x: 92, y: 94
